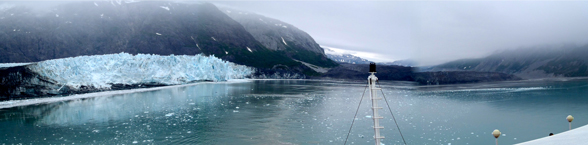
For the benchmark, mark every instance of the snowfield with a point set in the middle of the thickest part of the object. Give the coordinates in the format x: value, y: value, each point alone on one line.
x: 100, y: 71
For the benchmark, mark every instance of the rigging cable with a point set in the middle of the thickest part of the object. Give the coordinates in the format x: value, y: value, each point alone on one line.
x: 354, y: 116
x: 391, y: 112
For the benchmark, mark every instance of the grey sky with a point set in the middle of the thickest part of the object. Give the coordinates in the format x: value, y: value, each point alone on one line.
x: 429, y: 32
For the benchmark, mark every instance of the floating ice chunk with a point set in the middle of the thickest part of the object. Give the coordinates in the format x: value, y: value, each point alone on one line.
x: 213, y: 38
x: 235, y: 111
x: 157, y: 33
x: 56, y: 15
x: 189, y: 132
x: 164, y: 7
x: 169, y: 114
x: 226, y: 52
x: 134, y: 142
x: 503, y: 134
x: 237, y: 107
x: 368, y: 116
x: 249, y: 49
x: 284, y: 41
x: 101, y: 15
x: 95, y: 4
x: 146, y: 112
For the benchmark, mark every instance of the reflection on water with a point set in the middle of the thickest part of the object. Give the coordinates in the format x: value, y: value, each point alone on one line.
x: 303, y: 112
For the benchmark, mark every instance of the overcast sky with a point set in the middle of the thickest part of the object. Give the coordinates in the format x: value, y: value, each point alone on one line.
x: 429, y: 32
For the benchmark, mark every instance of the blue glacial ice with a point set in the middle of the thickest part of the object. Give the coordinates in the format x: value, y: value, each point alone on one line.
x: 100, y: 71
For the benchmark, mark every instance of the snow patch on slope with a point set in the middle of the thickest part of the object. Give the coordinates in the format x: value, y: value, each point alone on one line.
x: 101, y: 71
x: 164, y: 7
x: 314, y: 67
x: 12, y: 64
x: 284, y: 41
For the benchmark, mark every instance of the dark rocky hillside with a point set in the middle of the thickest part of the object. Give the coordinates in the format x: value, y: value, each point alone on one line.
x: 360, y: 72
x: 348, y: 71
x: 282, y: 37
x: 91, y: 28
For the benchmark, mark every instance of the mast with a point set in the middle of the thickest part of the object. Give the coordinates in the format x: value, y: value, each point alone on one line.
x: 372, y: 79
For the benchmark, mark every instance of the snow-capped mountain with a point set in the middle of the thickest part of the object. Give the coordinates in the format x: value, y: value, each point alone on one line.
x: 103, y: 72
x: 344, y: 57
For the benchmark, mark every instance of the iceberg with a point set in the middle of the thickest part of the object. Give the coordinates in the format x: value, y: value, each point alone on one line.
x: 102, y: 71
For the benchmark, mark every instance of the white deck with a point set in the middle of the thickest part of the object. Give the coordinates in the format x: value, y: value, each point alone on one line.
x: 575, y: 136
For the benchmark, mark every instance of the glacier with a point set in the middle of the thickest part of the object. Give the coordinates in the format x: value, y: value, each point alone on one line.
x: 101, y: 71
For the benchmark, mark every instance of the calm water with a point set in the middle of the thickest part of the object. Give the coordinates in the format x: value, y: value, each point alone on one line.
x: 303, y: 112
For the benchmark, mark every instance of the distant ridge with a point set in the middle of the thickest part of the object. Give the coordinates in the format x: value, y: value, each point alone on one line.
x: 528, y: 63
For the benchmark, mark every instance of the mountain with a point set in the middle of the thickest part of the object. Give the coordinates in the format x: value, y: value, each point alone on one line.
x: 343, y: 57
x: 527, y: 63
x: 281, y: 37
x: 147, y: 27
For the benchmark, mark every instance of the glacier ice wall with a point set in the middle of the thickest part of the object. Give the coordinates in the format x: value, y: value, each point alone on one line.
x: 100, y: 71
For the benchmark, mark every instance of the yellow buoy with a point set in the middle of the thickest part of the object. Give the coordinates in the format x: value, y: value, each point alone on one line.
x: 570, y: 118
x: 496, y: 133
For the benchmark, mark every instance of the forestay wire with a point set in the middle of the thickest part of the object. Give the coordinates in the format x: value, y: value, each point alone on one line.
x: 354, y: 116
x: 392, y: 113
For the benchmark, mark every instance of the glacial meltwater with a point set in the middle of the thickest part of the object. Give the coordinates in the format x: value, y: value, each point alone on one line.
x: 303, y: 112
